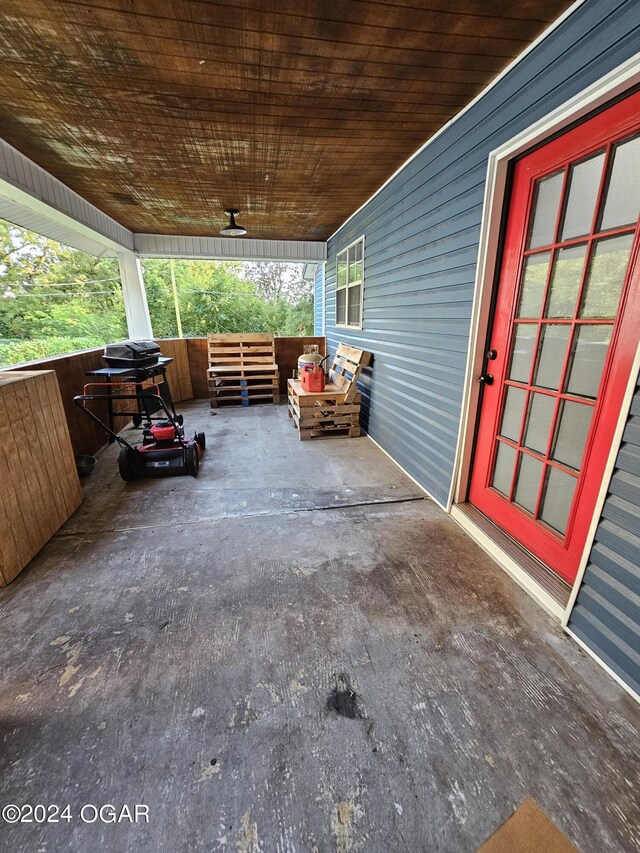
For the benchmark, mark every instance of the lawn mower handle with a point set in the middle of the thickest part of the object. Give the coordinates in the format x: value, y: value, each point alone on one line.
x: 81, y: 399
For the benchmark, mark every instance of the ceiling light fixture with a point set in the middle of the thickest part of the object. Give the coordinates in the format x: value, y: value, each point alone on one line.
x: 233, y: 230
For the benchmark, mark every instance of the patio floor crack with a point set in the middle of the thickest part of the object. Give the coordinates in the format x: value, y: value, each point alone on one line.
x: 231, y: 516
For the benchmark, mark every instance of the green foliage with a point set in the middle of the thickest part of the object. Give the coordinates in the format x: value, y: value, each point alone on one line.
x: 55, y: 300
x: 18, y: 352
x: 276, y: 281
x: 299, y: 321
x: 220, y: 296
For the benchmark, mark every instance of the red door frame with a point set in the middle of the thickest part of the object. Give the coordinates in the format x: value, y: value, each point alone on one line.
x: 561, y: 554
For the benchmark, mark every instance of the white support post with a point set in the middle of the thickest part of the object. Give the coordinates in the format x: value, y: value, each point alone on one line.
x: 135, y: 297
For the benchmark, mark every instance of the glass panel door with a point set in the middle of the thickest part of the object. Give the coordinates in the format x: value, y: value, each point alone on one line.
x: 573, y: 237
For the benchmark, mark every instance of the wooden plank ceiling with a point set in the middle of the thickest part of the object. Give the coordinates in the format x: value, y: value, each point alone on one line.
x: 163, y: 113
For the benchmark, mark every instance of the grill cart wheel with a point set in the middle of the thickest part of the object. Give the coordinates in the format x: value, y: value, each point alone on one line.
x: 192, y: 459
x: 126, y: 464
x: 201, y: 439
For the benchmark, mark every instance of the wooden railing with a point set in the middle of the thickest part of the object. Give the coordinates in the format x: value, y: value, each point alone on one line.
x: 187, y: 377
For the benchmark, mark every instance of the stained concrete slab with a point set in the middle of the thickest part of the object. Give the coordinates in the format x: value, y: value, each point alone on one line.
x: 198, y: 665
x: 254, y: 465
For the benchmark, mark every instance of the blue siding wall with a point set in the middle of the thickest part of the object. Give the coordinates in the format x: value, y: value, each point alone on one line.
x: 318, y: 306
x: 421, y: 244
x: 607, y: 612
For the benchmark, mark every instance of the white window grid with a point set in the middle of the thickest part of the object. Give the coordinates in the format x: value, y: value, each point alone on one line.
x: 350, y: 285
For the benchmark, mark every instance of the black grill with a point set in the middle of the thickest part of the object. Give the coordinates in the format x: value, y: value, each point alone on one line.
x: 132, y: 354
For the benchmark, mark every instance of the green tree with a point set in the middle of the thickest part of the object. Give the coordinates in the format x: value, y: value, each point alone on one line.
x: 276, y: 281
x: 224, y: 296
x: 54, y: 299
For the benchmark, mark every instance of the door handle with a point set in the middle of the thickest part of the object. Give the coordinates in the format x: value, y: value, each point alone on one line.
x: 486, y: 379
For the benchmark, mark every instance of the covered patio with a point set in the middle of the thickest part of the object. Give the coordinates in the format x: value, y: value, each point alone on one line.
x: 295, y: 651
x: 378, y: 643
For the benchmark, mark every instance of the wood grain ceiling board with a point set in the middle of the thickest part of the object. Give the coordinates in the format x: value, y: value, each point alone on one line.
x: 163, y: 113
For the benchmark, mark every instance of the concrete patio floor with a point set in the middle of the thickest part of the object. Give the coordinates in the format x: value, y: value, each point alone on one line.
x: 295, y: 652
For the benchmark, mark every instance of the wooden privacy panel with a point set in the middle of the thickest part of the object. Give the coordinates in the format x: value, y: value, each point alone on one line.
x: 198, y: 364
x: 287, y: 352
x: 71, y: 371
x: 187, y: 377
x: 178, y: 373
x: 40, y: 486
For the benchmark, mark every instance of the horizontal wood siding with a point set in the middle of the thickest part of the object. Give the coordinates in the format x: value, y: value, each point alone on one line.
x: 421, y: 245
x: 607, y: 612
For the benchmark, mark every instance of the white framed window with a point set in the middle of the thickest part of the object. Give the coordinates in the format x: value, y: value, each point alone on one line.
x: 350, y: 285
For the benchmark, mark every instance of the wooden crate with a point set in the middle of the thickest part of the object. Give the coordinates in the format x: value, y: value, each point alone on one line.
x: 335, y: 411
x: 325, y: 414
x: 242, y: 369
x: 40, y: 486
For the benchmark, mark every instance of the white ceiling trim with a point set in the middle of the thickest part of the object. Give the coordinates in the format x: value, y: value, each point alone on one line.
x: 32, y: 198
x: 229, y: 248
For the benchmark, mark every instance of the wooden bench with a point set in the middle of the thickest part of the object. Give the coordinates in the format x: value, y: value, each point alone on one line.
x: 242, y: 369
x: 335, y: 411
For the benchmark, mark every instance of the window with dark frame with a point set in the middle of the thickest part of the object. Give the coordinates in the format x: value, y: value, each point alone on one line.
x: 349, y: 285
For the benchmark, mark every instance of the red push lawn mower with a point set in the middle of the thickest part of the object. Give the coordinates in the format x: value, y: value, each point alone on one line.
x: 164, y: 450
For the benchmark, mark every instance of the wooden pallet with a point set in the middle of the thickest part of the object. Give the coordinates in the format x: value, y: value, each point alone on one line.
x: 242, y: 369
x: 326, y: 414
x: 346, y: 368
x: 336, y: 411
